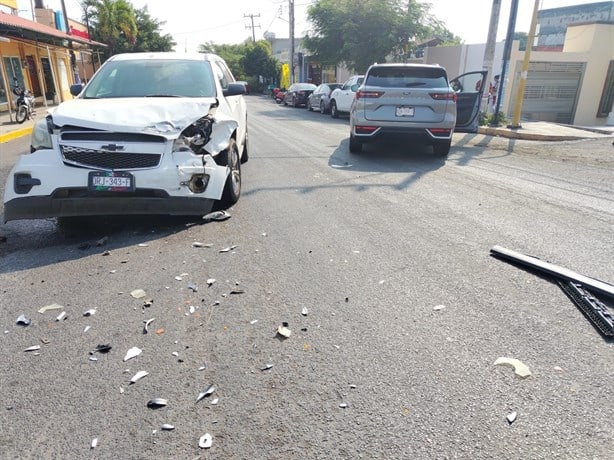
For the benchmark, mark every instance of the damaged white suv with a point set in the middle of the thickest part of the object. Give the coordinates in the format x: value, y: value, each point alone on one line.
x: 151, y: 133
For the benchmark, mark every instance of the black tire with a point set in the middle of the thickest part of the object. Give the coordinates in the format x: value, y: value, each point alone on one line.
x: 22, y: 114
x: 333, y: 109
x: 355, y: 144
x: 232, y: 187
x: 309, y: 107
x: 245, y: 155
x: 322, y: 107
x: 442, y: 149
x: 294, y: 103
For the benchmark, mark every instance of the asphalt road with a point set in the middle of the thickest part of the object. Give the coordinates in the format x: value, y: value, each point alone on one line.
x: 380, y: 265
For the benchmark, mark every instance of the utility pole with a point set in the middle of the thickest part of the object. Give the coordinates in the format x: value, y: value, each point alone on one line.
x: 525, y: 70
x: 291, y: 5
x: 491, y: 44
x: 507, y: 51
x: 73, y: 59
x: 252, y: 16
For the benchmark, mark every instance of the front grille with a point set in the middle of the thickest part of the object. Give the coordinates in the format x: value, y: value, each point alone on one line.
x: 100, y: 159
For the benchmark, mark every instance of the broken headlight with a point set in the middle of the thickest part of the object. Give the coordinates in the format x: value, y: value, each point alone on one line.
x: 41, y: 135
x: 195, y: 136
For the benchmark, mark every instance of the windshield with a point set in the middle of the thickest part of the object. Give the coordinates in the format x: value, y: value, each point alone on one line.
x: 152, y: 78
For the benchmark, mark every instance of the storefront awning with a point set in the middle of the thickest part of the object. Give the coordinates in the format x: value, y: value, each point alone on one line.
x: 18, y: 27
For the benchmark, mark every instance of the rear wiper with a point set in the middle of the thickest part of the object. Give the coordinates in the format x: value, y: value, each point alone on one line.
x: 416, y: 83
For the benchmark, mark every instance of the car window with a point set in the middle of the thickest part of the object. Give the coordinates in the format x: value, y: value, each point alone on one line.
x: 407, y: 77
x: 152, y: 77
x: 223, y: 74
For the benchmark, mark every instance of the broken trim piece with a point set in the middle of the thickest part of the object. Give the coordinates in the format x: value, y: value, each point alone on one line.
x: 551, y: 269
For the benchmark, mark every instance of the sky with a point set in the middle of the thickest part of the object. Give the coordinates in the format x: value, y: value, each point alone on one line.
x: 193, y: 22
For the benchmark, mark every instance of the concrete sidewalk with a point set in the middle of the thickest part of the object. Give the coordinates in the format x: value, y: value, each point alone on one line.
x: 530, y: 130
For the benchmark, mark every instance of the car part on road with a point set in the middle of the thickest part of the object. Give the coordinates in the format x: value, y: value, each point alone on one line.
x: 596, y: 311
x: 579, y: 288
x: 554, y: 270
x: 520, y: 368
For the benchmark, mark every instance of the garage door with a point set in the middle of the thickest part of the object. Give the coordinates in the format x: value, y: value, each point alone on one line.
x: 551, y: 91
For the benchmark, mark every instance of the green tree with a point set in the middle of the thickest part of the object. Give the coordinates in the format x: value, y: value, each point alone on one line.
x: 112, y: 22
x: 361, y: 32
x: 149, y: 37
x: 232, y: 54
x: 259, y: 61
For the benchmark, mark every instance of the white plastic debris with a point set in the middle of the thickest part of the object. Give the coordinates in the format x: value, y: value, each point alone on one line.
x: 439, y: 307
x: 253, y: 321
x: 210, y: 281
x: 133, y: 352
x: 511, y: 417
x: 266, y: 367
x: 167, y: 427
x: 138, y: 376
x: 87, y: 328
x: 174, y: 353
x: 146, y: 326
x: 89, y: 312
x: 343, y: 405
x: 94, y: 443
x: 53, y: 306
x: 284, y: 331
x: 156, y: 403
x: 520, y: 369
x: 206, y: 392
x: 304, y: 311
x: 138, y: 293
x: 205, y: 441
x: 217, y: 216
x: 23, y: 321
x: 33, y: 348
x: 61, y: 316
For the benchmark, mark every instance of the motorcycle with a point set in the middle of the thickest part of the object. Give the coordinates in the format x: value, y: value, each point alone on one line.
x: 25, y: 103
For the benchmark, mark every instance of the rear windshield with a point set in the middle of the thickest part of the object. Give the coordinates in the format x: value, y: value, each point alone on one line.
x: 407, y: 77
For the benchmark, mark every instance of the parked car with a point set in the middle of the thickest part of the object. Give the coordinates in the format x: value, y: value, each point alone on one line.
x: 414, y: 102
x: 320, y: 98
x: 298, y: 93
x: 150, y: 133
x: 341, y: 98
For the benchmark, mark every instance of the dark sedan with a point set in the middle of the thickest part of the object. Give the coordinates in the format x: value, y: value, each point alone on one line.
x: 298, y: 93
x: 320, y: 98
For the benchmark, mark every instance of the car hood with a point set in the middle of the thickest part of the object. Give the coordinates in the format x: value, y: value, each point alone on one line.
x: 163, y: 116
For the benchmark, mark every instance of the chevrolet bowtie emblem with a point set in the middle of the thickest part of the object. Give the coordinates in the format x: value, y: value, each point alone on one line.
x: 113, y: 148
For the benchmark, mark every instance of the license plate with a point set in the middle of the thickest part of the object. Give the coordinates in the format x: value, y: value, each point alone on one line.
x: 110, y: 181
x: 405, y: 112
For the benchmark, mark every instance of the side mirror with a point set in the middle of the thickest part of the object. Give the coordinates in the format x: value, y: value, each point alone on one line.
x: 354, y: 88
x: 234, y: 89
x: 75, y: 90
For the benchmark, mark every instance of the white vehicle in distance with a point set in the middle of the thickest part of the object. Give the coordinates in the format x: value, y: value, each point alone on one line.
x: 151, y: 133
x: 341, y: 98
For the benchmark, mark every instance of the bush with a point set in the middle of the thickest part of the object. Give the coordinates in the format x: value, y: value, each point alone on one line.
x: 491, y: 119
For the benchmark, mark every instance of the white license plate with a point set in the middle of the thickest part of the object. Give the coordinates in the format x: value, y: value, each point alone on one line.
x: 405, y: 112
x: 111, y: 181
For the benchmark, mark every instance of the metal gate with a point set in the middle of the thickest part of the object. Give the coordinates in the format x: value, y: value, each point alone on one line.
x: 551, y: 91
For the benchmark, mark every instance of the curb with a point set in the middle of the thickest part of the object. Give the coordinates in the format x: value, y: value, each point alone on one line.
x: 15, y: 134
x: 510, y: 134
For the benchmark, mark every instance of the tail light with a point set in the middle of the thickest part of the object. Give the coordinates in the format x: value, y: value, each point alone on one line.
x: 362, y: 129
x: 368, y: 94
x: 444, y: 96
x: 441, y: 132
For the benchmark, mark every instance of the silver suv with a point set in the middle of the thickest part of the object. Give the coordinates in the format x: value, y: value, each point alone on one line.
x: 404, y: 101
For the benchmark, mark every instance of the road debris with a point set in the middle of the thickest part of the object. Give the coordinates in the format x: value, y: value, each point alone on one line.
x: 94, y: 443
x: 23, y: 321
x: 343, y: 405
x: 146, y: 326
x: 138, y: 376
x: 210, y: 281
x: 439, y: 307
x: 520, y: 369
x: 206, y: 392
x: 33, y: 348
x: 89, y: 312
x: 197, y: 244
x: 284, y: 331
x: 87, y: 328
x: 229, y: 248
x: 193, y: 287
x: 266, y: 367
x: 167, y: 427
x: 147, y: 303
x: 205, y: 441
x: 511, y: 417
x: 138, y: 293
x: 156, y: 403
x: 104, y: 348
x: 133, y: 352
x: 61, y: 316
x: 216, y: 216
x: 53, y: 306
x: 304, y: 311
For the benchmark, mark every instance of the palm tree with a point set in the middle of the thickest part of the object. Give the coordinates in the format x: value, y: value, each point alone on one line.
x: 112, y: 22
